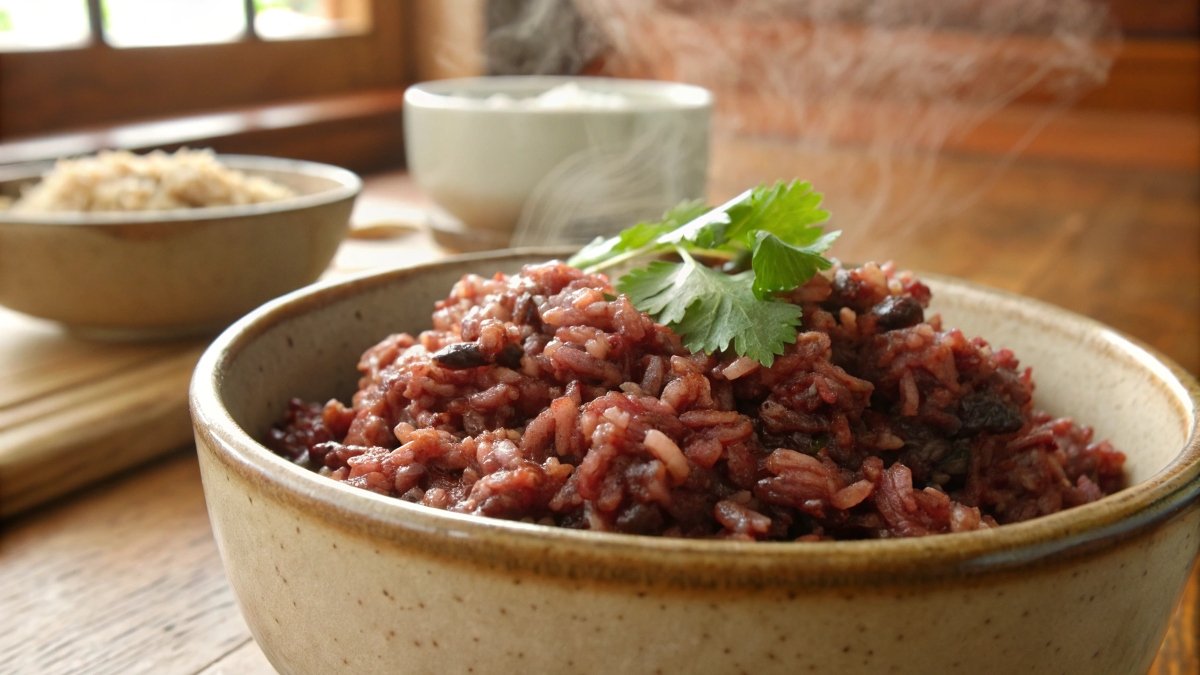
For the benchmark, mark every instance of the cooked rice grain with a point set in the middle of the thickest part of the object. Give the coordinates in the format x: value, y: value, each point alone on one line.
x: 546, y: 397
x: 123, y: 181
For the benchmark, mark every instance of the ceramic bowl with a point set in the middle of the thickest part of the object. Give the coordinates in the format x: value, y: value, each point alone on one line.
x: 545, y: 159
x: 332, y: 578
x: 172, y: 273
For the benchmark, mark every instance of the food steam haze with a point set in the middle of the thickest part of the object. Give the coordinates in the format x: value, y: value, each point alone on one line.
x: 860, y: 97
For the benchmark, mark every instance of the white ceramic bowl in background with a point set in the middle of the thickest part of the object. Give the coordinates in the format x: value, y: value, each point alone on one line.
x: 332, y: 578
x: 498, y: 163
x: 154, y: 274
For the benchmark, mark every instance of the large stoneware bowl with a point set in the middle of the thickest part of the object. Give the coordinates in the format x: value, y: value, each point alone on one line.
x: 332, y: 578
x: 153, y: 274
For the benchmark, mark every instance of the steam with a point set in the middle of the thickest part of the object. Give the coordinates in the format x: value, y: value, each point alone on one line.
x: 538, y: 37
x: 612, y: 184
x: 860, y: 96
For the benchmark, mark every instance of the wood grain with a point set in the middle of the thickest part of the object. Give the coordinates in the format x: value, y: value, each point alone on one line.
x: 1141, y: 70
x: 1180, y: 651
x: 246, y: 659
x: 124, y: 580
x: 366, y: 124
x: 74, y: 412
x: 1099, y: 137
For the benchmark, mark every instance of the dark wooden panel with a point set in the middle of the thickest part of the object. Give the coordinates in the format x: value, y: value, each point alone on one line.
x: 1157, y: 18
x: 362, y: 131
x: 58, y: 90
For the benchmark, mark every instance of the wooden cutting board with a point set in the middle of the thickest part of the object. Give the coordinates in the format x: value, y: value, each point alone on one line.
x: 74, y: 412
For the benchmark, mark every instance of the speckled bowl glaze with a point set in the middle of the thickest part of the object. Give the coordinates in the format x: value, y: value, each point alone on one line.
x: 336, y: 579
x: 159, y: 274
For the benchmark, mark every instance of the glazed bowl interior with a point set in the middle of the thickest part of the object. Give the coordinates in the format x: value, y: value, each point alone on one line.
x: 306, y: 345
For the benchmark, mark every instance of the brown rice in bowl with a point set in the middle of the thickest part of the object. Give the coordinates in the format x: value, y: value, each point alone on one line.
x: 119, y: 180
x: 151, y: 274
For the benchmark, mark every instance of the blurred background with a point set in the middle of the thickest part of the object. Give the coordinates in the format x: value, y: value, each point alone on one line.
x: 323, y: 79
x: 1061, y: 120
x: 1047, y: 147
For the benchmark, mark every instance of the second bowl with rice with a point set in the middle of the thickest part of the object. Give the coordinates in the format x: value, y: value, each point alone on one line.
x: 162, y: 245
x: 535, y: 160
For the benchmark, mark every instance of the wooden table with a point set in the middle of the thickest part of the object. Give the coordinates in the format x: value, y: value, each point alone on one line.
x: 123, y: 576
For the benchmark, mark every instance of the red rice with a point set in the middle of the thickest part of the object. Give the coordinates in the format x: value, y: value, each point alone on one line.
x: 545, y: 397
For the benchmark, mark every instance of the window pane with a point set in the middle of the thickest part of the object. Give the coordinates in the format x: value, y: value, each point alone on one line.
x: 146, y: 23
x: 292, y: 19
x: 43, y: 24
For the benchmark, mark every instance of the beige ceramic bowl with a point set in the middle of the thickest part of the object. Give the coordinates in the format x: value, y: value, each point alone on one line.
x: 336, y: 579
x: 171, y: 273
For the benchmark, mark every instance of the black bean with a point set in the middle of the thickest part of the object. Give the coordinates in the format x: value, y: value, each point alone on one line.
x: 525, y: 311
x: 958, y: 461
x: 984, y: 412
x: 461, y: 355
x: 510, y: 356
x: 845, y: 285
x: 898, y: 311
x: 639, y: 519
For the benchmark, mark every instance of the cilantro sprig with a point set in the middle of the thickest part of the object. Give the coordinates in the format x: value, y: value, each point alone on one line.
x: 770, y: 239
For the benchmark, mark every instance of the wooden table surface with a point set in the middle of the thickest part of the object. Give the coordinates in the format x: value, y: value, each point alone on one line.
x: 123, y: 576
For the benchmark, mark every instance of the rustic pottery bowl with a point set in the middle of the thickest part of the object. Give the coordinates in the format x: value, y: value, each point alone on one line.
x: 337, y: 579
x: 153, y: 274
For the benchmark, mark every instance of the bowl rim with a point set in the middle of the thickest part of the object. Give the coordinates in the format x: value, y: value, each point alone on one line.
x: 654, y: 95
x: 348, y: 185
x: 680, y: 562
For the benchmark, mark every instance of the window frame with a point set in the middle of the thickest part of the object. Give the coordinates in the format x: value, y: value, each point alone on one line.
x: 45, y: 92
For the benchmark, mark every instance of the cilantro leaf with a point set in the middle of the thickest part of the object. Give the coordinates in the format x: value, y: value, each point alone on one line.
x: 771, y: 236
x: 594, y: 253
x: 641, y: 238
x: 777, y: 264
x: 643, y: 234
x: 711, y: 309
x: 788, y: 210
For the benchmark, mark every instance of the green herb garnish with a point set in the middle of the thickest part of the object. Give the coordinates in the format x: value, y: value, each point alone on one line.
x: 770, y: 238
